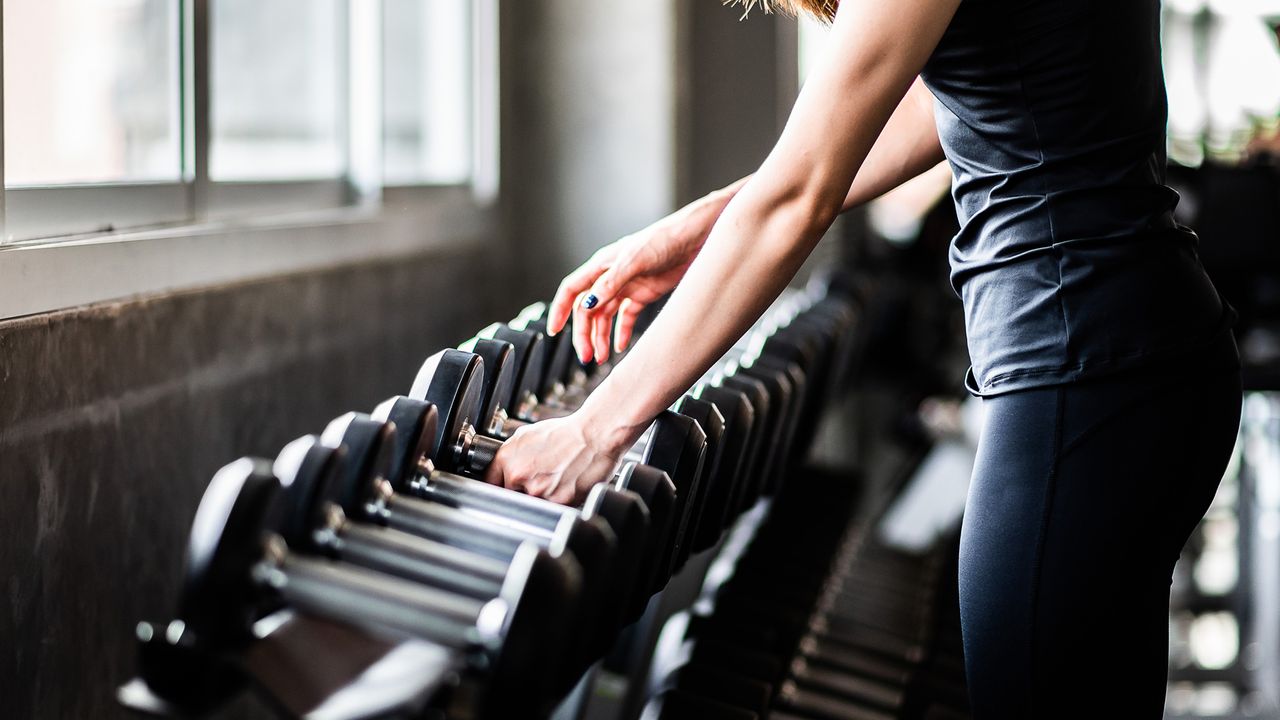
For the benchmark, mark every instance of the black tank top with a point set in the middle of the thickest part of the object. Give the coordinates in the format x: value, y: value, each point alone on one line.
x: 1068, y: 262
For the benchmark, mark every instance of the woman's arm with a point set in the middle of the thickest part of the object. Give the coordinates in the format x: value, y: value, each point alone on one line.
x: 906, y: 148
x: 626, y: 275
x: 752, y: 252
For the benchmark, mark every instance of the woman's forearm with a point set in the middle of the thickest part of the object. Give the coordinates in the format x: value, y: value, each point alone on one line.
x: 907, y: 147
x: 749, y: 257
x: 695, y: 220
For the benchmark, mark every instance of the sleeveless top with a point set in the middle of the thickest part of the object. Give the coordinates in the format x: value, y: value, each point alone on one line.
x: 1068, y: 261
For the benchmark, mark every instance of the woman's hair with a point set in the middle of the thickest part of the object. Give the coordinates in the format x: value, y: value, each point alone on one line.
x: 823, y: 10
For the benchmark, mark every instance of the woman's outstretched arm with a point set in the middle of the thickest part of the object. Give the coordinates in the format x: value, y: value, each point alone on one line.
x: 627, y: 275
x: 755, y: 248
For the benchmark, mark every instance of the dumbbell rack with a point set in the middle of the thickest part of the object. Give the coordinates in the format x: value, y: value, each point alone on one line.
x: 294, y: 588
x: 851, y: 629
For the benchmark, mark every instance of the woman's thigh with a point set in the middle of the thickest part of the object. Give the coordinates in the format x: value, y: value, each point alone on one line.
x: 1082, y: 498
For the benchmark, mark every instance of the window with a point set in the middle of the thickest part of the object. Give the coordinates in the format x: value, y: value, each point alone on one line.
x: 143, y: 113
x: 277, y: 79
x: 427, y: 66
x: 92, y: 91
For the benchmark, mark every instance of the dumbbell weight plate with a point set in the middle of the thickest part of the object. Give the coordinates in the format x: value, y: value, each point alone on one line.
x: 658, y: 493
x: 730, y: 467
x: 496, y: 357
x: 452, y: 381
x: 529, y: 360
x: 762, y: 434
x: 714, y: 472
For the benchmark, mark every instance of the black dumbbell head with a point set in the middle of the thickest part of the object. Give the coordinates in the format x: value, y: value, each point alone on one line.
x: 655, y: 490
x: 541, y: 595
x: 561, y: 358
x: 417, y: 427
x: 678, y: 447
x: 308, y: 472
x: 714, y: 473
x: 724, y: 495
x: 762, y: 436
x: 219, y: 601
x: 498, y: 381
x: 452, y: 380
x: 529, y: 357
x: 368, y: 445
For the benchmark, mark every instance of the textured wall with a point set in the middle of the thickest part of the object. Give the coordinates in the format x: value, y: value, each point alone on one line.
x: 113, y: 418
x: 589, y: 97
x: 738, y: 79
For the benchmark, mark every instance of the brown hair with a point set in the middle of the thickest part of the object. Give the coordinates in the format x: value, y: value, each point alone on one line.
x: 823, y: 10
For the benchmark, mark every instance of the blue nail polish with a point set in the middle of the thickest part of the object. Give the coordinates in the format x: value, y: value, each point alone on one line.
x: 590, y: 301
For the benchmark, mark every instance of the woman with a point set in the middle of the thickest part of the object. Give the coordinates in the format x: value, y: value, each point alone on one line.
x: 1102, y: 351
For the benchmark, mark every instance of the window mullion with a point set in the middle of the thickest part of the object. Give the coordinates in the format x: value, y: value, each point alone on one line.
x: 484, y: 101
x: 199, y: 123
x: 364, y: 99
x: 4, y: 232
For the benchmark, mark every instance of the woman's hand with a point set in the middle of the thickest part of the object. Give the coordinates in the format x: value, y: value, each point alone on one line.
x: 559, y: 459
x: 619, y: 280
x: 624, y: 277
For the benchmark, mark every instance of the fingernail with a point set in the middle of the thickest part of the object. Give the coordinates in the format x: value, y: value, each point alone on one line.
x: 590, y: 301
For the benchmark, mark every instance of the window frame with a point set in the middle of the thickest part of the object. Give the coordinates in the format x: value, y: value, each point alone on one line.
x: 157, y: 227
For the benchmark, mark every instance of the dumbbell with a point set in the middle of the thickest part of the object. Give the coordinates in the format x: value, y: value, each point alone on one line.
x: 785, y: 382
x: 377, y: 488
x: 727, y: 432
x: 624, y: 510
x: 239, y: 568
x: 498, y: 423
x: 544, y: 589
x: 454, y: 382
x: 564, y: 380
x: 772, y: 410
x: 811, y: 341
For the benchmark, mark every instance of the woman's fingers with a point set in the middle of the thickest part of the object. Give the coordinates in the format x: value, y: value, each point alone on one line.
x: 496, y: 474
x: 582, y: 332
x: 628, y: 313
x: 570, y: 293
x: 602, y: 323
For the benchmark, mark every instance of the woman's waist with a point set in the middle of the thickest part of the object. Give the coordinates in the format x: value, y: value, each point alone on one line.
x: 1062, y: 313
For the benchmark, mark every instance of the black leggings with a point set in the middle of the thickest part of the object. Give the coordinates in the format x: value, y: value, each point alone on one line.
x: 1082, y: 498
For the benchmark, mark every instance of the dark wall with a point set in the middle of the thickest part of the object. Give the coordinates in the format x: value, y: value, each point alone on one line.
x: 114, y: 417
x: 737, y: 79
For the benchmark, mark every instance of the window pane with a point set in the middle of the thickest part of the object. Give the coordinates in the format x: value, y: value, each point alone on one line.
x: 426, y: 92
x: 91, y: 89
x: 278, y: 85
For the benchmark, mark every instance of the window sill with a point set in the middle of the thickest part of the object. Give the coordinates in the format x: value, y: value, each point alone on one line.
x: 42, y: 276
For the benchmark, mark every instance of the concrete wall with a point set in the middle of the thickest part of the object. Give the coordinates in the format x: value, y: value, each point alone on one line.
x: 589, y: 102
x: 737, y: 80
x: 619, y: 112
x: 114, y: 417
